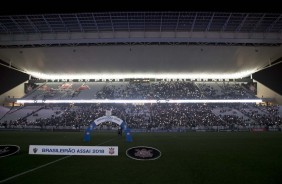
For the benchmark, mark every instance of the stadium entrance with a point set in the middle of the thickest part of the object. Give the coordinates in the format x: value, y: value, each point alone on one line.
x: 103, y: 119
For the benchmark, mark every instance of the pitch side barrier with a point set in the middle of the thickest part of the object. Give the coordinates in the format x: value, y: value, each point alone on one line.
x: 144, y: 130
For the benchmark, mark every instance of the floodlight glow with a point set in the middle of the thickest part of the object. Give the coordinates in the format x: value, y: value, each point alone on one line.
x: 140, y: 101
x: 144, y: 75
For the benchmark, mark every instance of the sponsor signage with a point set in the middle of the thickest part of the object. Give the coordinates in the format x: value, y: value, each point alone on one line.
x: 7, y: 150
x: 73, y: 150
x: 143, y: 153
x: 258, y: 129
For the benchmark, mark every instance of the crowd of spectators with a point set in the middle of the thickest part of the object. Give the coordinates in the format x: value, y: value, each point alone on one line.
x: 153, y: 117
x: 156, y: 90
x: 150, y: 90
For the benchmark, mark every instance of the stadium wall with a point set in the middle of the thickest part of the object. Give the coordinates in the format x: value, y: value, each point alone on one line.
x: 16, y: 92
x: 266, y: 92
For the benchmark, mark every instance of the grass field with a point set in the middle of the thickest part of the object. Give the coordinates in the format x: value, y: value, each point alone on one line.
x: 187, y: 158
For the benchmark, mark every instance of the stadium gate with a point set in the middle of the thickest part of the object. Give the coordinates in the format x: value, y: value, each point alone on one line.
x: 103, y: 119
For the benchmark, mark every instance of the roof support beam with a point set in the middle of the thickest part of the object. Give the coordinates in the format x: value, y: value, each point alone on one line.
x: 273, y: 23
x: 192, y: 27
x: 226, y: 23
x: 5, y: 28
x: 177, y: 22
x: 210, y: 22
x: 161, y: 23
x: 95, y: 22
x: 258, y: 23
x: 238, y: 29
x: 127, y: 19
x: 79, y: 24
x: 47, y: 23
x: 32, y: 24
x: 113, y: 28
x: 144, y: 22
x: 66, y: 28
x: 18, y: 26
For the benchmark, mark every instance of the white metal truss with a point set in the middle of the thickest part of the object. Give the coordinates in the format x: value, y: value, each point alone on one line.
x: 151, y: 27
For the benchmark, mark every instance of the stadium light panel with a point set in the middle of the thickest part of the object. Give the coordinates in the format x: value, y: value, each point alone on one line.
x: 144, y: 75
x: 141, y: 101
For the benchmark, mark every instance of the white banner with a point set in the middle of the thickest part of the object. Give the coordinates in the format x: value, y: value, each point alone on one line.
x: 73, y: 150
x: 108, y: 118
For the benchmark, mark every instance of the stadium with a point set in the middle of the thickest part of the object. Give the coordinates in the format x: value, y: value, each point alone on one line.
x: 200, y: 89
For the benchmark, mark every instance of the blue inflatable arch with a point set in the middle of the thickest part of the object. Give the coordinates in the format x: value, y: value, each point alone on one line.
x: 103, y: 119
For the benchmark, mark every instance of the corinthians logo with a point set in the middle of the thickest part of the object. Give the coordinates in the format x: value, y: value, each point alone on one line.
x: 7, y: 150
x: 143, y: 153
x: 111, y: 151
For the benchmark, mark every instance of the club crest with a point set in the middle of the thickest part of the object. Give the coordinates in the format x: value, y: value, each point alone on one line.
x: 143, y: 153
x: 35, y: 150
x: 111, y: 151
x: 7, y: 150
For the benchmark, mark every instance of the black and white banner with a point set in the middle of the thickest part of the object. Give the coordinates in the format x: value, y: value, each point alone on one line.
x: 73, y: 150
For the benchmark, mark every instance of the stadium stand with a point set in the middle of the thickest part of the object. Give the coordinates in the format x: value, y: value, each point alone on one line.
x: 145, y: 117
x: 214, y: 61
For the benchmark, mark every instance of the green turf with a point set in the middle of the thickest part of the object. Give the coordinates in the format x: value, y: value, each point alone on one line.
x: 192, y: 158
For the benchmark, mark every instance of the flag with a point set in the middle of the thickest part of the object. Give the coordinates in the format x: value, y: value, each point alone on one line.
x: 86, y: 136
x: 88, y: 132
x: 128, y: 135
x: 123, y: 126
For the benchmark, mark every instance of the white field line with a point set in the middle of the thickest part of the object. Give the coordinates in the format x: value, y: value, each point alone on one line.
x: 39, y: 167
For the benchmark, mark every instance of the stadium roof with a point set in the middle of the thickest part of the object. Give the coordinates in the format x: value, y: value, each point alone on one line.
x: 220, y: 44
x: 140, y: 27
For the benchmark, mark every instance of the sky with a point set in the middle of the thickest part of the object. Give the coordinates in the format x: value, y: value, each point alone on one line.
x: 71, y: 6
